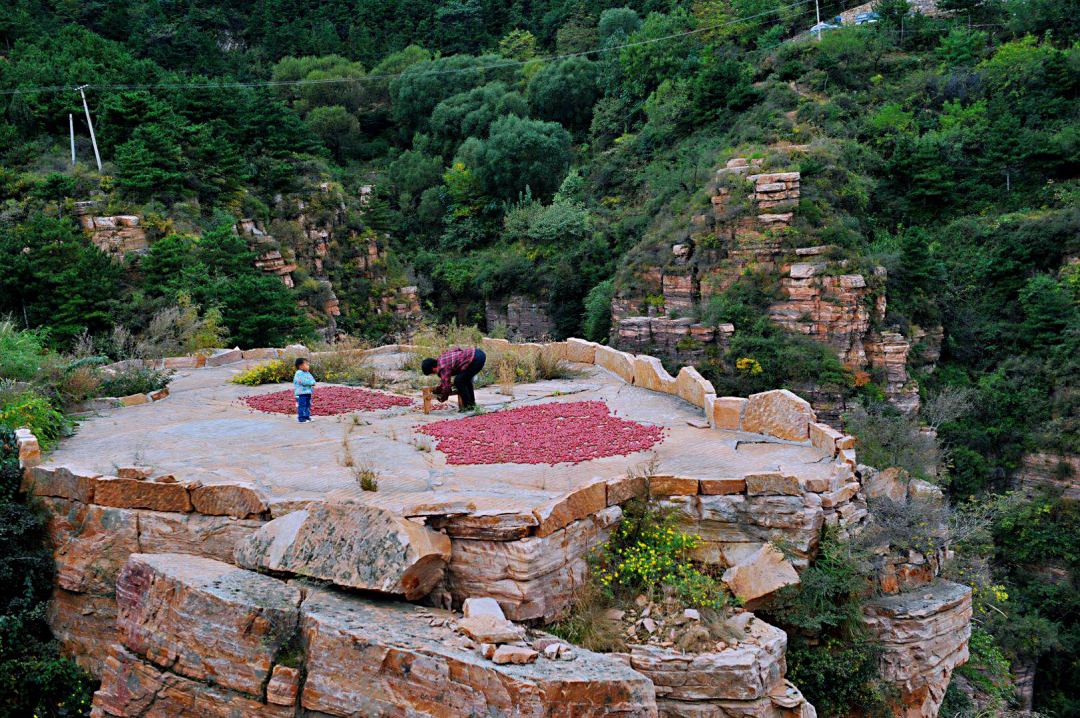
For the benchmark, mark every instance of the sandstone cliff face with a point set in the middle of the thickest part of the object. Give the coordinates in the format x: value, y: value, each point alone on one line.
x: 924, y: 635
x: 115, y: 235
x: 823, y: 296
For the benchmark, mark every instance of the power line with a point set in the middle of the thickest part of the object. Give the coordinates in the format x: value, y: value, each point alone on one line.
x: 365, y: 78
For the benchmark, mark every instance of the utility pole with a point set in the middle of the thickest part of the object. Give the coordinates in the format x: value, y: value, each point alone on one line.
x: 71, y: 129
x: 90, y: 124
x: 817, y: 11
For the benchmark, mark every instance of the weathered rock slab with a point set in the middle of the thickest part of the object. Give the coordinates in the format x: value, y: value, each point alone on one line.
x: 373, y: 658
x: 133, y: 688
x: 204, y: 619
x: 759, y: 575
x: 350, y: 545
x: 778, y: 413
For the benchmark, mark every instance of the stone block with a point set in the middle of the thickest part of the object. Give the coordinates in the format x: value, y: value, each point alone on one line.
x: 90, y: 543
x: 135, y: 399
x: 619, y: 363
x: 727, y: 412
x: 84, y: 625
x: 195, y: 534
x: 284, y: 686
x: 622, y: 489
x: 242, y: 501
x: 29, y: 450
x: 534, y: 578
x: 225, y: 356
x: 267, y: 353
x: 747, y: 672
x: 62, y: 482
x: 487, y: 526
x: 487, y: 628
x: 517, y: 655
x: 580, y: 351
x: 844, y: 493
x: 132, y: 687
x: 134, y: 472
x: 672, y: 486
x: 722, y: 486
x: 692, y: 387
x: 757, y: 577
x: 160, y: 394
x: 190, y: 362
x: 779, y: 413
x: 824, y: 438
x: 650, y: 374
x: 772, y: 484
x: 481, y: 607
x: 141, y: 494
x: 579, y: 502
x: 355, y: 546
x: 204, y: 619
x: 385, y: 659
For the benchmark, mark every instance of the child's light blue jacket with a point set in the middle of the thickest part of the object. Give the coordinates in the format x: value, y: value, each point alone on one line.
x: 302, y: 382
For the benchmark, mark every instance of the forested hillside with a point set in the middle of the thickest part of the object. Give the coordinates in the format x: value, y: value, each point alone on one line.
x: 298, y: 170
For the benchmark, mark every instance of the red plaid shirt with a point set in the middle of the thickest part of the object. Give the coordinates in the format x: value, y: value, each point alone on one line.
x: 450, y: 363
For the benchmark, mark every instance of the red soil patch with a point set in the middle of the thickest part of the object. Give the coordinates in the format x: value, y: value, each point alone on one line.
x: 553, y: 433
x: 327, y: 401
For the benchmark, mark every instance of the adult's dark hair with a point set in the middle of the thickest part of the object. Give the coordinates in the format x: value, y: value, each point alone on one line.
x: 300, y: 361
x: 428, y: 366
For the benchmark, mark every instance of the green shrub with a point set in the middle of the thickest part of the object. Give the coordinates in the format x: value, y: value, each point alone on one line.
x: 839, y: 677
x: 35, y: 412
x: 135, y: 380
x: 598, y: 311
x: 35, y: 679
x: 20, y: 352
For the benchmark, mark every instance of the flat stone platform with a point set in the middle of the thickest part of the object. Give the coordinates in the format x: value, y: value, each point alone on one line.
x: 204, y: 432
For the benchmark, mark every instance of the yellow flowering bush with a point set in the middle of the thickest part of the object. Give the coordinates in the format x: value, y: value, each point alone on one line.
x: 749, y: 365
x: 271, y: 372
x: 647, y: 553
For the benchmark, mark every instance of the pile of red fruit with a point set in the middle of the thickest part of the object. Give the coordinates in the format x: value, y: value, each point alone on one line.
x: 328, y: 401
x: 553, y: 433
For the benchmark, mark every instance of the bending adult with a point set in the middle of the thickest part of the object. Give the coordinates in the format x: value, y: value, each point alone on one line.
x: 456, y: 369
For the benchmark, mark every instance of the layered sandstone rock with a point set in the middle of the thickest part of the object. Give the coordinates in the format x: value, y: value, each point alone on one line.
x: 778, y: 413
x: 205, y: 620
x: 755, y: 578
x: 375, y: 658
x: 351, y: 545
x: 737, y: 681
x: 1057, y: 472
x: 525, y: 318
x: 532, y: 578
x: 116, y: 235
x: 132, y: 687
x: 924, y: 637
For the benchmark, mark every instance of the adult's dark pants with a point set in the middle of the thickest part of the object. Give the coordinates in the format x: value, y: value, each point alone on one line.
x: 463, y: 382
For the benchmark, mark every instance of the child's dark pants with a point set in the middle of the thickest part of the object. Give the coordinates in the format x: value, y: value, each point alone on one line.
x: 303, y: 407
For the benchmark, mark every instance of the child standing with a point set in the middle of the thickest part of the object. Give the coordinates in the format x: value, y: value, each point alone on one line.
x: 303, y: 382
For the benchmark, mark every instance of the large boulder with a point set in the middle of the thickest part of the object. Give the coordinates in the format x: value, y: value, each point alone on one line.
x: 204, y: 619
x: 778, y: 413
x: 760, y: 575
x: 351, y: 545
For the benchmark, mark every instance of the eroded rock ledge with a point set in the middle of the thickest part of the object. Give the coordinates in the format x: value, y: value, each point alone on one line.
x: 344, y: 655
